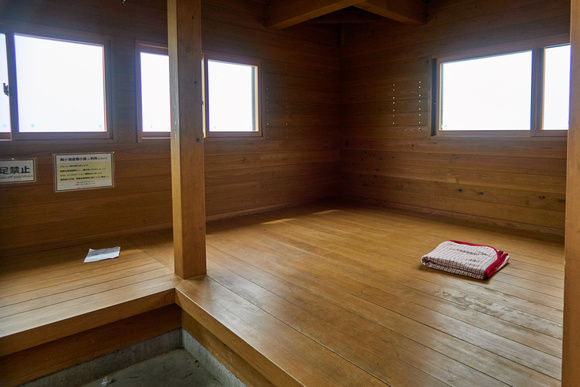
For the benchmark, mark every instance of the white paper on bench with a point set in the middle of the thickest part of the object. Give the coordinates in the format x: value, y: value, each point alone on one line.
x: 101, y: 254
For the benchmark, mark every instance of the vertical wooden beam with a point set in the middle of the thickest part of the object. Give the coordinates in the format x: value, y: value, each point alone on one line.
x: 187, y: 173
x: 571, y: 339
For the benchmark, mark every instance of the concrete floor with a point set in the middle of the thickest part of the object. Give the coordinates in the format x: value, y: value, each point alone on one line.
x: 171, y: 359
x: 173, y: 369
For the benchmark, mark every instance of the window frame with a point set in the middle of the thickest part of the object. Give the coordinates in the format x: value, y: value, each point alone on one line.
x: 241, y: 60
x: 536, y: 103
x: 57, y: 34
x: 7, y: 135
x: 152, y: 48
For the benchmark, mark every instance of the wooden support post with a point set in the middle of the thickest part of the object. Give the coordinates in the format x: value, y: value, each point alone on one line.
x: 187, y: 173
x: 571, y: 340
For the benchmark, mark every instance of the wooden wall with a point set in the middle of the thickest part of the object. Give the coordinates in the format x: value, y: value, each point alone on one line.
x: 298, y: 158
x: 296, y: 161
x: 388, y: 154
x: 384, y: 151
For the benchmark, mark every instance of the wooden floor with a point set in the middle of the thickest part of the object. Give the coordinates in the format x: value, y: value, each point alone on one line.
x: 334, y: 294
x: 53, y: 297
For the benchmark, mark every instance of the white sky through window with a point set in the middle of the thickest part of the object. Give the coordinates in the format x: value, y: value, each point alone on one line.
x: 556, y: 87
x: 4, y: 100
x: 155, y: 98
x: 231, y: 97
x: 492, y: 93
x: 60, y: 86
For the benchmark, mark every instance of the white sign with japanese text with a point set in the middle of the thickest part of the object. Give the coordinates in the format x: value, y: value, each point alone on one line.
x: 83, y: 171
x: 17, y: 171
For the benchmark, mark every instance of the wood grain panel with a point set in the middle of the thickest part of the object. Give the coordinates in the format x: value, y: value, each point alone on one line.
x: 298, y: 157
x: 459, y: 28
x: 530, y: 216
x: 388, y: 154
x: 548, y: 201
x: 74, y: 296
x: 471, y: 177
x: 301, y: 96
x: 329, y: 293
x: 520, y: 165
x: 497, y: 331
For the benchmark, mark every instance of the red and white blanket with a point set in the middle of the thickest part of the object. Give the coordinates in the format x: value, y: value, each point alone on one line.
x: 468, y: 259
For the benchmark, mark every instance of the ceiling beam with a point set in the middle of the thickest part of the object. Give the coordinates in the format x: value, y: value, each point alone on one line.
x: 404, y: 11
x: 284, y: 13
x: 348, y: 16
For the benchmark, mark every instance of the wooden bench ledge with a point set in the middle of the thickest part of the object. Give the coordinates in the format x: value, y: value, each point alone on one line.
x: 50, y: 295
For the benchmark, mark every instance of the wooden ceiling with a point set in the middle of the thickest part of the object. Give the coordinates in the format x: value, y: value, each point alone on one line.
x: 286, y: 13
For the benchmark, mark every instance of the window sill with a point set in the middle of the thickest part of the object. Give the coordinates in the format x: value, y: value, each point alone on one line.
x: 496, y: 134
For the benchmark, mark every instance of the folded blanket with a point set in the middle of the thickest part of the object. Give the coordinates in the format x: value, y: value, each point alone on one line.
x: 468, y: 259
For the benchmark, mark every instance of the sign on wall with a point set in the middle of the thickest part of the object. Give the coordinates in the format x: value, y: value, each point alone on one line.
x: 83, y: 171
x: 17, y: 171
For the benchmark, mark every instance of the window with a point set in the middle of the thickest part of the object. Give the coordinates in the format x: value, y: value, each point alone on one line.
x: 230, y: 94
x: 231, y: 97
x: 556, y: 102
x: 516, y: 93
x: 4, y: 101
x: 153, y: 89
x: 492, y: 93
x: 57, y: 89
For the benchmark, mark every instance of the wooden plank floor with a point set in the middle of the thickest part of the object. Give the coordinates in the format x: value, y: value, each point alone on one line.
x: 50, y: 295
x: 336, y: 295
x: 326, y: 294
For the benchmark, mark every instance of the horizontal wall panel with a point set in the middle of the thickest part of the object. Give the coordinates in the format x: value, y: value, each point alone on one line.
x: 291, y: 95
x: 217, y: 36
x: 251, y: 15
x: 296, y: 160
x: 506, y: 164
x: 290, y: 119
x: 301, y: 132
x: 516, y: 147
x: 89, y: 208
x: 388, y: 153
x: 45, y: 193
x: 541, y: 183
x: 261, y: 145
x: 458, y: 25
x: 414, y: 87
x: 408, y: 132
x: 278, y: 67
x: 277, y: 107
x: 397, y: 106
x: 521, y: 198
x: 274, y: 199
x: 388, y: 119
x: 260, y: 173
x: 56, y: 232
x: 302, y: 83
x: 537, y: 217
